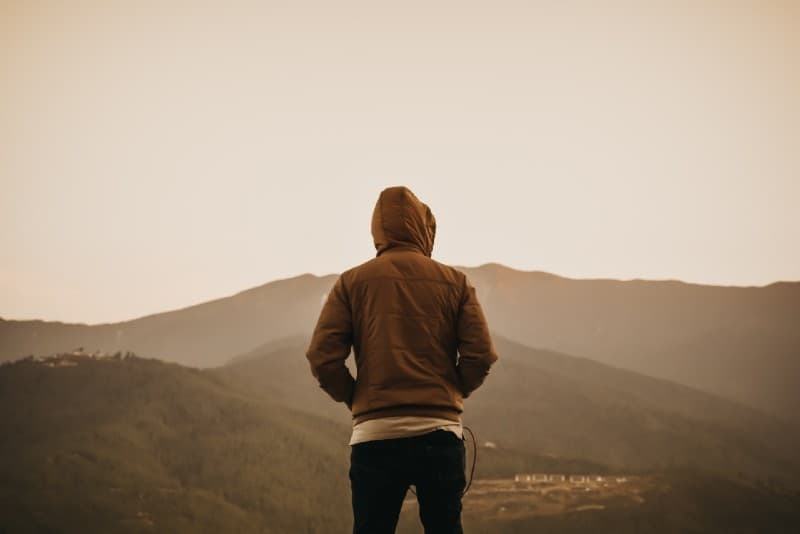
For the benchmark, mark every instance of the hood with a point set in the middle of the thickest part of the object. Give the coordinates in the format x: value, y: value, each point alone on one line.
x: 401, y: 219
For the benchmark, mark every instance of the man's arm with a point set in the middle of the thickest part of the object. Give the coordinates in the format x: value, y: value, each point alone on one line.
x: 475, y: 348
x: 330, y: 346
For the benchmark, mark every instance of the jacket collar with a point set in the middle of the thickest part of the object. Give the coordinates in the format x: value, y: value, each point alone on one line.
x: 400, y: 248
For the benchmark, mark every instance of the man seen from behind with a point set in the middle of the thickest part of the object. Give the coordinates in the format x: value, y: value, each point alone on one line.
x: 421, y: 346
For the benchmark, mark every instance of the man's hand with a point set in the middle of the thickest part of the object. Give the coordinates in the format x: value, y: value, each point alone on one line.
x: 330, y: 346
x: 475, y: 348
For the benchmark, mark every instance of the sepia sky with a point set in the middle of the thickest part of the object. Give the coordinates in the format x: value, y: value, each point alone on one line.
x: 155, y: 155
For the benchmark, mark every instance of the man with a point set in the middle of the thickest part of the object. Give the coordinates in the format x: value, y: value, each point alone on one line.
x: 421, y: 346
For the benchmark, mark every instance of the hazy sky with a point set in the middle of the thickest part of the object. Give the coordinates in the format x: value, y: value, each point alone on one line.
x: 155, y: 155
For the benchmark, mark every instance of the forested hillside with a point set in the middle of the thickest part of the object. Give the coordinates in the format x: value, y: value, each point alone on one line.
x: 127, y: 445
x: 551, y: 403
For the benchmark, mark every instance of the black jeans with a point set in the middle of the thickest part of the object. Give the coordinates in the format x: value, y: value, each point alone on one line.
x: 381, y: 472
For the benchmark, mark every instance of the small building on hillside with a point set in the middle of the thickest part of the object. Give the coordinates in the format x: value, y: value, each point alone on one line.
x: 574, y: 479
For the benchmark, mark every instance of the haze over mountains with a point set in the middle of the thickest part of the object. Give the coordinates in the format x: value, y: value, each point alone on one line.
x: 742, y: 343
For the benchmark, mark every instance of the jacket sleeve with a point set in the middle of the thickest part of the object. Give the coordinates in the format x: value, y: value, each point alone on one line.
x: 330, y: 346
x: 475, y: 347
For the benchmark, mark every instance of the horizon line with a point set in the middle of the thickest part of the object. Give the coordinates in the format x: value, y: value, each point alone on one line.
x: 490, y: 264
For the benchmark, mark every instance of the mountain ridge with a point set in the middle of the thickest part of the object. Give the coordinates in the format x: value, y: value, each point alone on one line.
x: 737, y: 342
x: 486, y: 265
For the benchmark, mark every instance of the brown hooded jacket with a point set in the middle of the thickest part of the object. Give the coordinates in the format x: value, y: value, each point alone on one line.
x: 419, y: 335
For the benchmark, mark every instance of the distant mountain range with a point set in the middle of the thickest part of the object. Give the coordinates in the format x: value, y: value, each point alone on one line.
x: 741, y: 343
x: 203, y: 335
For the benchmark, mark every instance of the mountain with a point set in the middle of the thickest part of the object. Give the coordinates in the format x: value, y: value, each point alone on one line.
x: 137, y: 445
x: 741, y: 343
x: 552, y: 404
x: 126, y: 444
x: 202, y: 335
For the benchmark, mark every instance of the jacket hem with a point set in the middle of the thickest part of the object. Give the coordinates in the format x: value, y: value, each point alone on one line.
x: 454, y: 414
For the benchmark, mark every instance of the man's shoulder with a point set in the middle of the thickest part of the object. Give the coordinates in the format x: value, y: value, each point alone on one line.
x: 355, y: 273
x: 424, y: 267
x: 456, y: 274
